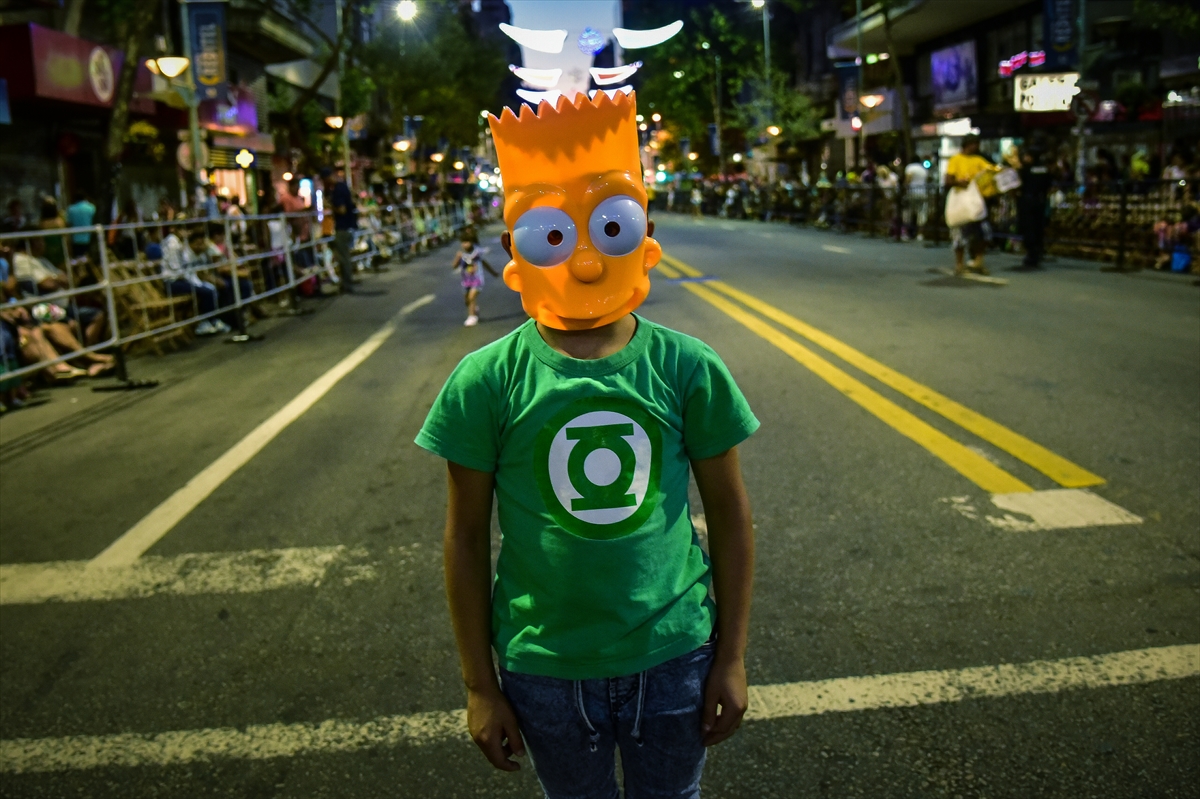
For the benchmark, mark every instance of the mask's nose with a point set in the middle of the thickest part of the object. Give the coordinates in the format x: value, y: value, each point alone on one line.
x: 586, y: 266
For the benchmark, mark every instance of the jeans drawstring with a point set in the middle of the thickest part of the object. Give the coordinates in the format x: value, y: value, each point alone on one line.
x: 593, y: 736
x: 641, y: 701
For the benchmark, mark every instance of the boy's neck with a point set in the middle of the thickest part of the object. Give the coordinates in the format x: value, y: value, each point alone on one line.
x: 593, y: 344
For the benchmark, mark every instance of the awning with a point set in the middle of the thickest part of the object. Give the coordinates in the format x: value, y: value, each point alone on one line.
x: 302, y: 73
x: 912, y: 23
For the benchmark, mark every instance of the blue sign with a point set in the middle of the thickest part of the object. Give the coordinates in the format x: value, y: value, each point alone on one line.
x: 1061, y: 35
x: 847, y: 103
x: 207, y: 22
x: 5, y: 114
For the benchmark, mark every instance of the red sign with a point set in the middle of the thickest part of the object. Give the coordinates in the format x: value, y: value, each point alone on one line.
x: 52, y: 65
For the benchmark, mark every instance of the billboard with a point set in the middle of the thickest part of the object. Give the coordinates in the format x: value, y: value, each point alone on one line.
x: 207, y: 21
x: 1061, y: 34
x: 1045, y: 92
x: 955, y: 76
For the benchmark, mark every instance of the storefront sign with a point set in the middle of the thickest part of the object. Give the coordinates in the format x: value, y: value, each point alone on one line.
x: 235, y: 112
x: 955, y: 78
x: 1045, y: 92
x: 207, y: 22
x: 1061, y: 34
x: 1034, y: 58
x: 43, y: 63
x: 100, y: 74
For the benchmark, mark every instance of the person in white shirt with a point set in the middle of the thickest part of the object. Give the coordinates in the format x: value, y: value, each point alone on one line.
x: 176, y: 263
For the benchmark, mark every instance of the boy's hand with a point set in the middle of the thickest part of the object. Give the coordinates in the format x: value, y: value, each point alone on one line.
x: 726, y: 686
x: 493, y: 727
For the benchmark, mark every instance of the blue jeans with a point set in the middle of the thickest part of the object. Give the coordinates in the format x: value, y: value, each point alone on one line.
x: 572, y: 729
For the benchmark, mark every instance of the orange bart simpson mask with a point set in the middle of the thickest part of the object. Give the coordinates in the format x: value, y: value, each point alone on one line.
x: 575, y: 209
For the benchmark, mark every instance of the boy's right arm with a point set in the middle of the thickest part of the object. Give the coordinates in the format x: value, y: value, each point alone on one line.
x: 468, y: 567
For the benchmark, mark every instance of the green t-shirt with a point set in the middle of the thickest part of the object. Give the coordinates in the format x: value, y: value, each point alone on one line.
x: 600, y: 572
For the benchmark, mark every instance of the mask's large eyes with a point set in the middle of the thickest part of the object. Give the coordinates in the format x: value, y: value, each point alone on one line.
x: 618, y: 225
x: 544, y: 236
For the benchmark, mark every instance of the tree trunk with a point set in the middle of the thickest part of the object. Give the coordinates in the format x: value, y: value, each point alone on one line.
x: 137, y: 28
x: 74, y: 17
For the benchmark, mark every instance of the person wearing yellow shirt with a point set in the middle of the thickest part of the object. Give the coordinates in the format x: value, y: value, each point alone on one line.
x: 963, y: 168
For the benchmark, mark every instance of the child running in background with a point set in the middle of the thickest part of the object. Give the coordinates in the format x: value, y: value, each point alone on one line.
x: 467, y: 261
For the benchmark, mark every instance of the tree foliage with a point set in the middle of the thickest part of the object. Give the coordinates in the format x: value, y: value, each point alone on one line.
x: 690, y: 102
x: 438, y: 68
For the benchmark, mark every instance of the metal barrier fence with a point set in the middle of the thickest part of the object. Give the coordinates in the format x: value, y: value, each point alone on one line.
x: 1131, y: 223
x: 79, y: 291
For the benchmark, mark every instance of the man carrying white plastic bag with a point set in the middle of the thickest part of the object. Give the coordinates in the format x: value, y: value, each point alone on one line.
x: 966, y: 210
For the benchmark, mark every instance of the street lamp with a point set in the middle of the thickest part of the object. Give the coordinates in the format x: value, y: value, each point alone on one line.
x: 459, y: 165
x: 677, y: 74
x: 401, y: 145
x: 774, y: 130
x: 437, y: 158
x: 656, y: 117
x: 335, y: 122
x: 169, y: 66
x: 406, y: 10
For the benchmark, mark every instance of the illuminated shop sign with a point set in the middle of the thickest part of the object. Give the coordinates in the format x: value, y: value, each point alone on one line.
x: 1034, y: 58
x: 1045, y: 92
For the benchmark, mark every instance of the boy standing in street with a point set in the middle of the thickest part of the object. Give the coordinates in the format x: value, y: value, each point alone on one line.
x: 583, y: 422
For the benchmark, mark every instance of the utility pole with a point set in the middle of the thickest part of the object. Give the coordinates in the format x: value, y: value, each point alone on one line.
x: 337, y: 4
x: 192, y: 96
x: 862, y: 128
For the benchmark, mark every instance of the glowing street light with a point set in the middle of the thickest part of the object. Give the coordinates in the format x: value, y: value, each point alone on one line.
x: 287, y: 176
x: 169, y: 66
x: 693, y: 156
x: 406, y: 10
x: 643, y: 127
x: 484, y: 113
x: 774, y: 130
x: 737, y: 158
x: 437, y: 158
x: 459, y: 165
x: 335, y: 122
x: 872, y: 100
x: 758, y: 3
x: 656, y: 117
x: 677, y: 74
x: 401, y: 145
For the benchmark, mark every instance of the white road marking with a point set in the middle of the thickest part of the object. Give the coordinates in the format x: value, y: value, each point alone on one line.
x: 937, y: 687
x: 1060, y: 508
x: 245, y: 572
x: 158, y: 522
x: 833, y: 248
x: 788, y: 700
x: 1054, y: 509
x: 418, y: 303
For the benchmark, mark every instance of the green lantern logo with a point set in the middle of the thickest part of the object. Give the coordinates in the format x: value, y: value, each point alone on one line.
x: 598, y: 463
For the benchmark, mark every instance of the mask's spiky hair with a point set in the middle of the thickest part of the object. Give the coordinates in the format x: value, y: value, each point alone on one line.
x: 567, y: 140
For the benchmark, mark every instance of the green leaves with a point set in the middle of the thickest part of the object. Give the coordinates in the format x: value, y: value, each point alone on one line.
x: 439, y: 68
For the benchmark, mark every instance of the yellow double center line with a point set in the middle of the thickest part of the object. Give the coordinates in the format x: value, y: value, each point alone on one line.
x: 962, y: 459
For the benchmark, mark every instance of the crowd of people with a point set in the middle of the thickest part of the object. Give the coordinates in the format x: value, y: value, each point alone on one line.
x: 214, y: 253
x: 1159, y: 224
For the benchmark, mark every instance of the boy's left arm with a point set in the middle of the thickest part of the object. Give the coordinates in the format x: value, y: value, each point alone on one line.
x: 731, y: 548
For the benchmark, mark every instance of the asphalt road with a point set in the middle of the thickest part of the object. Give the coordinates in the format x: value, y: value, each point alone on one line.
x: 288, y: 636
